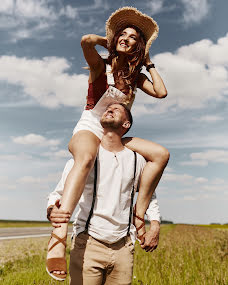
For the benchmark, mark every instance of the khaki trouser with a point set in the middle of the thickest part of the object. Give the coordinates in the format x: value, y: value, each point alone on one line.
x: 95, y: 263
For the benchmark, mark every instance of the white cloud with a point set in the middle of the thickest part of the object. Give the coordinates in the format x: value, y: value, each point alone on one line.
x: 6, y: 6
x: 201, y: 180
x: 30, y: 32
x: 203, y: 158
x: 196, y: 139
x: 140, y: 109
x: 21, y: 34
x: 58, y: 154
x: 34, y: 139
x: 190, y: 198
x: 155, y: 6
x: 6, y: 183
x: 29, y: 180
x: 183, y: 178
x: 198, y: 76
x: 197, y: 163
x: 195, y: 10
x: 62, y: 153
x: 168, y: 169
x: 19, y: 16
x: 200, y: 196
x: 50, y: 178
x: 33, y: 9
x: 15, y: 157
x: 69, y: 12
x: 211, y: 155
x: 215, y: 188
x: 99, y: 5
x: 191, y: 187
x: 32, y: 18
x: 45, y: 80
x: 218, y: 181
x: 210, y: 118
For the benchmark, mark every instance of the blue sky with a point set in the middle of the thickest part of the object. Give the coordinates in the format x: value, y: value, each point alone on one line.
x: 43, y: 87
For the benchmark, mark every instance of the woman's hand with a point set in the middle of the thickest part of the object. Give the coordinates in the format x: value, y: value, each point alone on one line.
x: 94, y: 60
x: 92, y: 40
x: 147, y: 60
x: 105, y: 43
x: 157, y: 88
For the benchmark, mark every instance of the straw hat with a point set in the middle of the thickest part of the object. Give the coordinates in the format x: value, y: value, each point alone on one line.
x: 131, y: 16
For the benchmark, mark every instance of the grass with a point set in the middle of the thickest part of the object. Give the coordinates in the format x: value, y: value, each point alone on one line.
x: 216, y: 226
x: 22, y: 262
x: 186, y: 255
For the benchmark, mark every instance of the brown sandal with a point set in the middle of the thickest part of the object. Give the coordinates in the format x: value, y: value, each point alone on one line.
x: 59, y: 263
x: 141, y: 226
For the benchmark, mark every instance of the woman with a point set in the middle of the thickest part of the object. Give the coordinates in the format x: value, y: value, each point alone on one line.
x: 129, y: 36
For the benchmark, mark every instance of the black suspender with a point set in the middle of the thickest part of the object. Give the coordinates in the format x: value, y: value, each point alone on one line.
x: 132, y: 194
x: 95, y: 193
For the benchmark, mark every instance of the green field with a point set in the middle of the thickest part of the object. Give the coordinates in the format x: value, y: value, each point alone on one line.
x: 186, y: 255
x: 214, y: 226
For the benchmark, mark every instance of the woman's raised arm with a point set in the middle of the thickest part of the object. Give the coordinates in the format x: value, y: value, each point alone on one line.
x: 94, y: 60
x: 157, y: 88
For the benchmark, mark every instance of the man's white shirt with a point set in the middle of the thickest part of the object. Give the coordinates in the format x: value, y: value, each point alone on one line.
x: 109, y: 222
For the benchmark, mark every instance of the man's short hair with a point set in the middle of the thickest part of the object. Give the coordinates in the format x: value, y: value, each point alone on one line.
x: 127, y: 112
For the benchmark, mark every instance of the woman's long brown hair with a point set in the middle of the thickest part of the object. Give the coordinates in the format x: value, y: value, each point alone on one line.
x: 135, y: 61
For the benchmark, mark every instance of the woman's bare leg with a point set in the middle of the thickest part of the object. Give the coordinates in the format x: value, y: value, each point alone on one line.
x: 83, y: 147
x: 157, y: 158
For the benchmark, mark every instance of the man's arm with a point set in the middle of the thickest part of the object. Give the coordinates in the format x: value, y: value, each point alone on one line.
x: 54, y: 214
x: 151, y: 238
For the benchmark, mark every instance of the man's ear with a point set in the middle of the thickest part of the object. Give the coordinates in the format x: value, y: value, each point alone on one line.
x: 126, y: 125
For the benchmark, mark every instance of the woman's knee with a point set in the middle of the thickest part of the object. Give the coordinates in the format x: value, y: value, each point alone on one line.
x: 85, y: 161
x: 163, y: 156
x: 71, y: 146
x: 83, y: 141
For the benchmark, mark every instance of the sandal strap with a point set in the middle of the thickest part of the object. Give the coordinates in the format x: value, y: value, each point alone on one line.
x: 59, y: 240
x: 141, y: 219
x: 141, y: 226
x: 139, y: 237
x: 57, y: 264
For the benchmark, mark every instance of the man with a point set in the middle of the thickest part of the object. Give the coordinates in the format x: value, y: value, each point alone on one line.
x: 104, y: 237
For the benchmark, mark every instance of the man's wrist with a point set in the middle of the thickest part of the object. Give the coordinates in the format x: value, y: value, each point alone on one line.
x: 154, y: 223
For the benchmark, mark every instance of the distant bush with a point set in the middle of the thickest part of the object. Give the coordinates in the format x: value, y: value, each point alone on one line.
x: 162, y: 222
x: 166, y: 222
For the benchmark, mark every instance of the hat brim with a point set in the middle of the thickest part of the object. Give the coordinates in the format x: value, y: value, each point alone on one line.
x: 131, y: 16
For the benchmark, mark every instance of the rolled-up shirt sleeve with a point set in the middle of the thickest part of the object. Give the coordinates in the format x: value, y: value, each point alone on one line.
x: 58, y: 192
x: 153, y: 211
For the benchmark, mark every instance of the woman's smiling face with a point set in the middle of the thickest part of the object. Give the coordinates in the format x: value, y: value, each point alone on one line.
x: 127, y: 40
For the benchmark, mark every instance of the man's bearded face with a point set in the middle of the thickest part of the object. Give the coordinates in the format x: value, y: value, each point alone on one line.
x: 113, y: 117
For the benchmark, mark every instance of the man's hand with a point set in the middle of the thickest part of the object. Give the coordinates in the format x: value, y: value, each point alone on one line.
x: 57, y: 216
x: 151, y: 237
